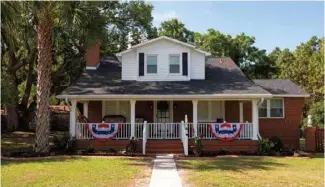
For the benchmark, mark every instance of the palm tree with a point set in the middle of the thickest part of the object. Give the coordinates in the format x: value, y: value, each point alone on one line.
x: 83, y: 17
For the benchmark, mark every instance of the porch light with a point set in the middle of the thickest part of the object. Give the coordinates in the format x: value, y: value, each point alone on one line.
x: 175, y: 106
x: 150, y: 105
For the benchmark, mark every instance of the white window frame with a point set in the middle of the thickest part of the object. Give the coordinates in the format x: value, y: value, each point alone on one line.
x: 180, y: 64
x: 145, y: 64
x: 268, y: 109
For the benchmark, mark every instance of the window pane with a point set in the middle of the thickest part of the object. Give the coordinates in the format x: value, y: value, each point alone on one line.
x: 151, y: 60
x: 276, y: 103
x: 174, y: 59
x: 276, y: 112
x: 151, y: 68
x: 174, y: 68
x: 262, y: 112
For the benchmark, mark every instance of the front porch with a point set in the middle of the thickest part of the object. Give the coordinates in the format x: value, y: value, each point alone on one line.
x: 165, y: 119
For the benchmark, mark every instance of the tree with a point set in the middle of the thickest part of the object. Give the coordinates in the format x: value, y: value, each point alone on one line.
x: 177, y: 30
x: 304, y: 66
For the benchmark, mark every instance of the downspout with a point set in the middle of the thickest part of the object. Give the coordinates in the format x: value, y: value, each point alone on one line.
x: 258, y: 105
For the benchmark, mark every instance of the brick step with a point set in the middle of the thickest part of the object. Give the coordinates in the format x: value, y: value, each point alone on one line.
x: 164, y: 151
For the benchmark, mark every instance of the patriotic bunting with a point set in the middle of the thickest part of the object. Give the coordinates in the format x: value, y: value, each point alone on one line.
x: 226, y: 131
x: 103, y: 131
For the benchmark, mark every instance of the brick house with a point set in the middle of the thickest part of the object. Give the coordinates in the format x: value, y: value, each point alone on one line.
x: 165, y: 92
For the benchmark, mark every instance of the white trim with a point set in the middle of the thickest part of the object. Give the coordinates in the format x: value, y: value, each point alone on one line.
x: 132, y: 116
x: 255, y: 119
x: 179, y: 63
x: 195, y: 105
x: 279, y: 95
x: 85, y: 109
x: 145, y: 64
x: 72, y: 128
x: 268, y: 109
x: 91, y: 68
x: 161, y: 97
x: 165, y: 38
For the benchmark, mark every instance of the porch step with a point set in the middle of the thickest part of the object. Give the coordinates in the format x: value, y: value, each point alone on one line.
x: 164, y: 146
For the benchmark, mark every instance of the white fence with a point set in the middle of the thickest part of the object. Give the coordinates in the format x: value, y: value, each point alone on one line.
x: 204, y: 131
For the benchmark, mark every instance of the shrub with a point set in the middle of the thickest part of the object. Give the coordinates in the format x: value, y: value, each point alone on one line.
x: 111, y: 150
x: 90, y: 149
x: 277, y: 144
x: 132, y: 146
x: 223, y: 151
x: 243, y: 153
x: 263, y: 147
x: 64, y: 142
x: 198, y: 146
x: 272, y: 146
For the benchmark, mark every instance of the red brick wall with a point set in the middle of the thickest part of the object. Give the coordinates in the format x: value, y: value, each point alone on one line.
x: 103, y: 146
x: 235, y: 146
x: 183, y: 108
x: 143, y: 110
x: 287, y: 128
x: 95, y: 111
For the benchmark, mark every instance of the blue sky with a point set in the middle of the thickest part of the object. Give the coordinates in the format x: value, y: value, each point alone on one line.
x: 283, y: 24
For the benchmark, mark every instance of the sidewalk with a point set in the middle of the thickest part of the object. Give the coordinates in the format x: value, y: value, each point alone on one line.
x: 164, y: 172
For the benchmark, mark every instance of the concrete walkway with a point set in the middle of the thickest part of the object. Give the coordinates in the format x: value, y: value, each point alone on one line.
x: 165, y: 172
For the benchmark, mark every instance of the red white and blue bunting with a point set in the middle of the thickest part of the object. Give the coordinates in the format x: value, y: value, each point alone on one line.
x: 226, y: 131
x: 103, y: 131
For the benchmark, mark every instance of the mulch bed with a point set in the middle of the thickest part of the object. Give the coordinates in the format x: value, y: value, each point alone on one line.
x: 74, y: 156
x: 182, y: 157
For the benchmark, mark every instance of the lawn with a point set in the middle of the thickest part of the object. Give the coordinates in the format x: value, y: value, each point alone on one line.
x: 249, y: 171
x: 74, y: 172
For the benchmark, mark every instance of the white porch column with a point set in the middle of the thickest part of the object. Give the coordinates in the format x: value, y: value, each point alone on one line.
x: 85, y: 109
x: 255, y: 119
x: 72, y: 128
x: 241, y: 112
x: 195, y: 116
x: 132, y: 102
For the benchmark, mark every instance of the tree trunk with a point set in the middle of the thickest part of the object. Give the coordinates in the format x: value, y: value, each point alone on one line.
x: 12, y: 118
x: 44, y: 64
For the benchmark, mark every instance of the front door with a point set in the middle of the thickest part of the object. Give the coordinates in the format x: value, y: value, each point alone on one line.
x: 163, y: 112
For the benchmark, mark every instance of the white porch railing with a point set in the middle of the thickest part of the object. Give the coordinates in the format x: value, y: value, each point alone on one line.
x: 164, y: 130
x: 203, y: 129
x: 83, y: 133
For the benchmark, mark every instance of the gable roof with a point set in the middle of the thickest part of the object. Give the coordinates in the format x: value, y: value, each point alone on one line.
x: 164, y: 38
x: 281, y: 87
x: 224, y: 79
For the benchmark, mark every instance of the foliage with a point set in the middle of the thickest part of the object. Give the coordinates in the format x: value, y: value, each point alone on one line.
x: 90, y: 149
x: 132, y: 146
x: 223, y: 151
x: 173, y: 28
x: 317, y: 112
x: 198, y: 146
x: 111, y: 150
x: 272, y: 146
x: 304, y: 66
x: 64, y: 142
x: 277, y: 144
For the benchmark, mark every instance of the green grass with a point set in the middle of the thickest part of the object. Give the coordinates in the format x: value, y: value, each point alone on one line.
x: 73, y: 172
x: 251, y: 172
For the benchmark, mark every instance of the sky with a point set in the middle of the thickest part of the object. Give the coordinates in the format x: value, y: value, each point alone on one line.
x: 282, y: 24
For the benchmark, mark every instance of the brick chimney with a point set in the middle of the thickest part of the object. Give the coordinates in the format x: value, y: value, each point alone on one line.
x: 92, y: 56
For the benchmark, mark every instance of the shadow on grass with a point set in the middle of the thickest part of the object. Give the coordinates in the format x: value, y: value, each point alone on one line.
x: 232, y: 164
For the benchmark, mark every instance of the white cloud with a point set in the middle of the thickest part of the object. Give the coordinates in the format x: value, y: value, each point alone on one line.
x: 160, y: 17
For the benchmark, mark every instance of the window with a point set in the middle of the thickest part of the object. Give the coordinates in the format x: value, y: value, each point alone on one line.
x: 174, y: 64
x: 272, y: 108
x: 152, y: 64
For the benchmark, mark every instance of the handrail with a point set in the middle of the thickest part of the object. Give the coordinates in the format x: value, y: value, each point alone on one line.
x: 184, y: 137
x: 144, y: 139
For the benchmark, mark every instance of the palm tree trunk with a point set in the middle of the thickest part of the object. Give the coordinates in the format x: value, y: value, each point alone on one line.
x: 44, y: 64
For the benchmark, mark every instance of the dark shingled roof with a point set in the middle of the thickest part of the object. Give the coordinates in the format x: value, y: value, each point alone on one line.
x: 222, y: 77
x: 280, y: 87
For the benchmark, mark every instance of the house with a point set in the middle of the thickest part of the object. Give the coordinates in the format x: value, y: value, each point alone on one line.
x: 163, y: 87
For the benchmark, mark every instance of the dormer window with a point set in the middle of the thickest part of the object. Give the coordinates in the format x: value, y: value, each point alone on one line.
x: 151, y: 64
x: 174, y: 63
